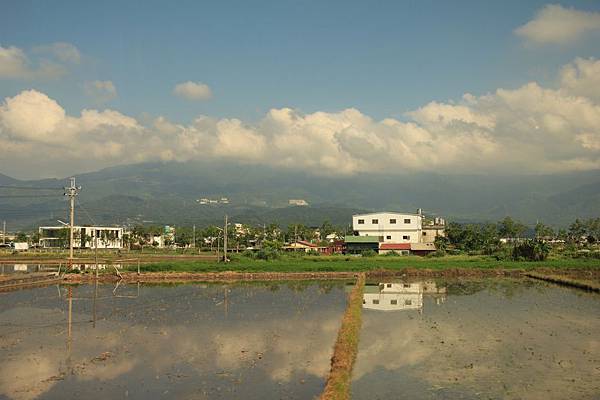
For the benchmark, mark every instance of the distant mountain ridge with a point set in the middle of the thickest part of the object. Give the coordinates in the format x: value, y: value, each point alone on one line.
x: 166, y: 193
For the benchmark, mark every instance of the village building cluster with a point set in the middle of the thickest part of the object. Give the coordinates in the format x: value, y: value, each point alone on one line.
x: 377, y: 232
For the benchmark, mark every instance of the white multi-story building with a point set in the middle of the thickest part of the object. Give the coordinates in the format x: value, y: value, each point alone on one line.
x: 104, y: 237
x: 389, y: 227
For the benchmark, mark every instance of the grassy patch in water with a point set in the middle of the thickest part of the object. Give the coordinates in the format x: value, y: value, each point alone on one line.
x: 356, y: 264
x: 346, y: 347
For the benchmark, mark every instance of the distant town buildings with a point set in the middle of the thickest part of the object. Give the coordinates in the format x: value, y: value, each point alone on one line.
x: 207, y: 201
x: 297, y: 202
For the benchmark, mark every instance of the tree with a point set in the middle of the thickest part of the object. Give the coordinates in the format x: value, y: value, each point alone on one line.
x: 577, y: 230
x: 510, y: 228
x: 543, y: 231
x: 441, y: 243
x: 593, y: 230
x: 326, y: 229
x: 35, y: 238
x: 21, y: 237
x: 299, y: 232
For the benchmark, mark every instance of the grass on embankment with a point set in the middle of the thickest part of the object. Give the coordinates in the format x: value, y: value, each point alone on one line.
x: 346, y: 347
x: 356, y: 264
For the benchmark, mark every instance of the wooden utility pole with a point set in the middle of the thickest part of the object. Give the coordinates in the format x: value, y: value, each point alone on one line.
x: 71, y: 191
x: 96, y: 258
x: 225, y: 240
x: 194, y: 236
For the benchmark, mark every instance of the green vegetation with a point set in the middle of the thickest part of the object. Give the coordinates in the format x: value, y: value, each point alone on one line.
x: 292, y: 263
x: 346, y: 347
x: 531, y: 250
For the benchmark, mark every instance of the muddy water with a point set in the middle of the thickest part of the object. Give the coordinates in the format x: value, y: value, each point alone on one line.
x: 494, y: 339
x: 190, y: 341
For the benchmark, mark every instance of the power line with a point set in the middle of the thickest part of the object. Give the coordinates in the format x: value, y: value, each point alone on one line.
x: 27, y: 187
x: 86, y: 213
x: 22, y: 196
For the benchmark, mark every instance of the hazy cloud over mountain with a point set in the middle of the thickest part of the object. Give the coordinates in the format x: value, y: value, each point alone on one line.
x: 532, y: 128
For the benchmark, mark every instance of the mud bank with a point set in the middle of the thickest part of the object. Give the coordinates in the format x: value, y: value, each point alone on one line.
x: 268, y: 276
x: 210, y: 276
x: 566, y: 281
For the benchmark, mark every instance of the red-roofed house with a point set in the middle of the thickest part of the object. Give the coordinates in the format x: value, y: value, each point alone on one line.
x: 400, y: 248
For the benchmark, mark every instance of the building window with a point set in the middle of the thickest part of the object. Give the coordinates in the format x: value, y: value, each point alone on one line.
x: 406, y: 285
x: 375, y: 301
x: 388, y: 237
x: 389, y: 285
x: 405, y: 237
x: 394, y: 302
x: 361, y: 221
x: 424, y: 233
x: 408, y: 302
x: 407, y: 220
x: 375, y: 221
x: 393, y: 221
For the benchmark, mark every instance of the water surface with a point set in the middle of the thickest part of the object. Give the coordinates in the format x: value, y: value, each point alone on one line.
x: 491, y: 339
x: 254, y: 341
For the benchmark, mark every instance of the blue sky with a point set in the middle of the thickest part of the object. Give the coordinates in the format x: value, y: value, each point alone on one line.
x: 383, y: 58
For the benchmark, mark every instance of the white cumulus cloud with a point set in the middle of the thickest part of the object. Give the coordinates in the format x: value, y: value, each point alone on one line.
x: 193, y: 90
x: 100, y: 91
x: 555, y: 24
x: 581, y: 78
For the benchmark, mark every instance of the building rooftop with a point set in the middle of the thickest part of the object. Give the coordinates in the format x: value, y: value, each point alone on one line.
x: 422, y: 246
x: 394, y: 246
x: 361, y: 239
x: 387, y: 212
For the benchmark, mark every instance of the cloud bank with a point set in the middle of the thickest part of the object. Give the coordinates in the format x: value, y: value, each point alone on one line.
x: 530, y: 129
x: 554, y: 24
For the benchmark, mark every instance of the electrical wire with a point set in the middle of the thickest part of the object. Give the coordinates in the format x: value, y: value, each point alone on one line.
x: 85, y: 211
x: 28, y: 187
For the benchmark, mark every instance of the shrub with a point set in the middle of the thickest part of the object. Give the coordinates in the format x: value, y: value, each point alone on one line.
x: 267, y: 254
x: 248, y: 254
x: 438, y: 253
x: 531, y: 250
x: 368, y: 253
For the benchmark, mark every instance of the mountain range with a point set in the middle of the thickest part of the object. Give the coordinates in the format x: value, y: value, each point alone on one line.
x: 169, y: 193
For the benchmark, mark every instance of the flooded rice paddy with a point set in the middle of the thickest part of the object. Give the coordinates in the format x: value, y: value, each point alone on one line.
x: 437, y: 339
x: 486, y: 339
x: 192, y: 341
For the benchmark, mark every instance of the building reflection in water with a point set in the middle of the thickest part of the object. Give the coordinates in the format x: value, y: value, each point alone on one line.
x: 396, y: 296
